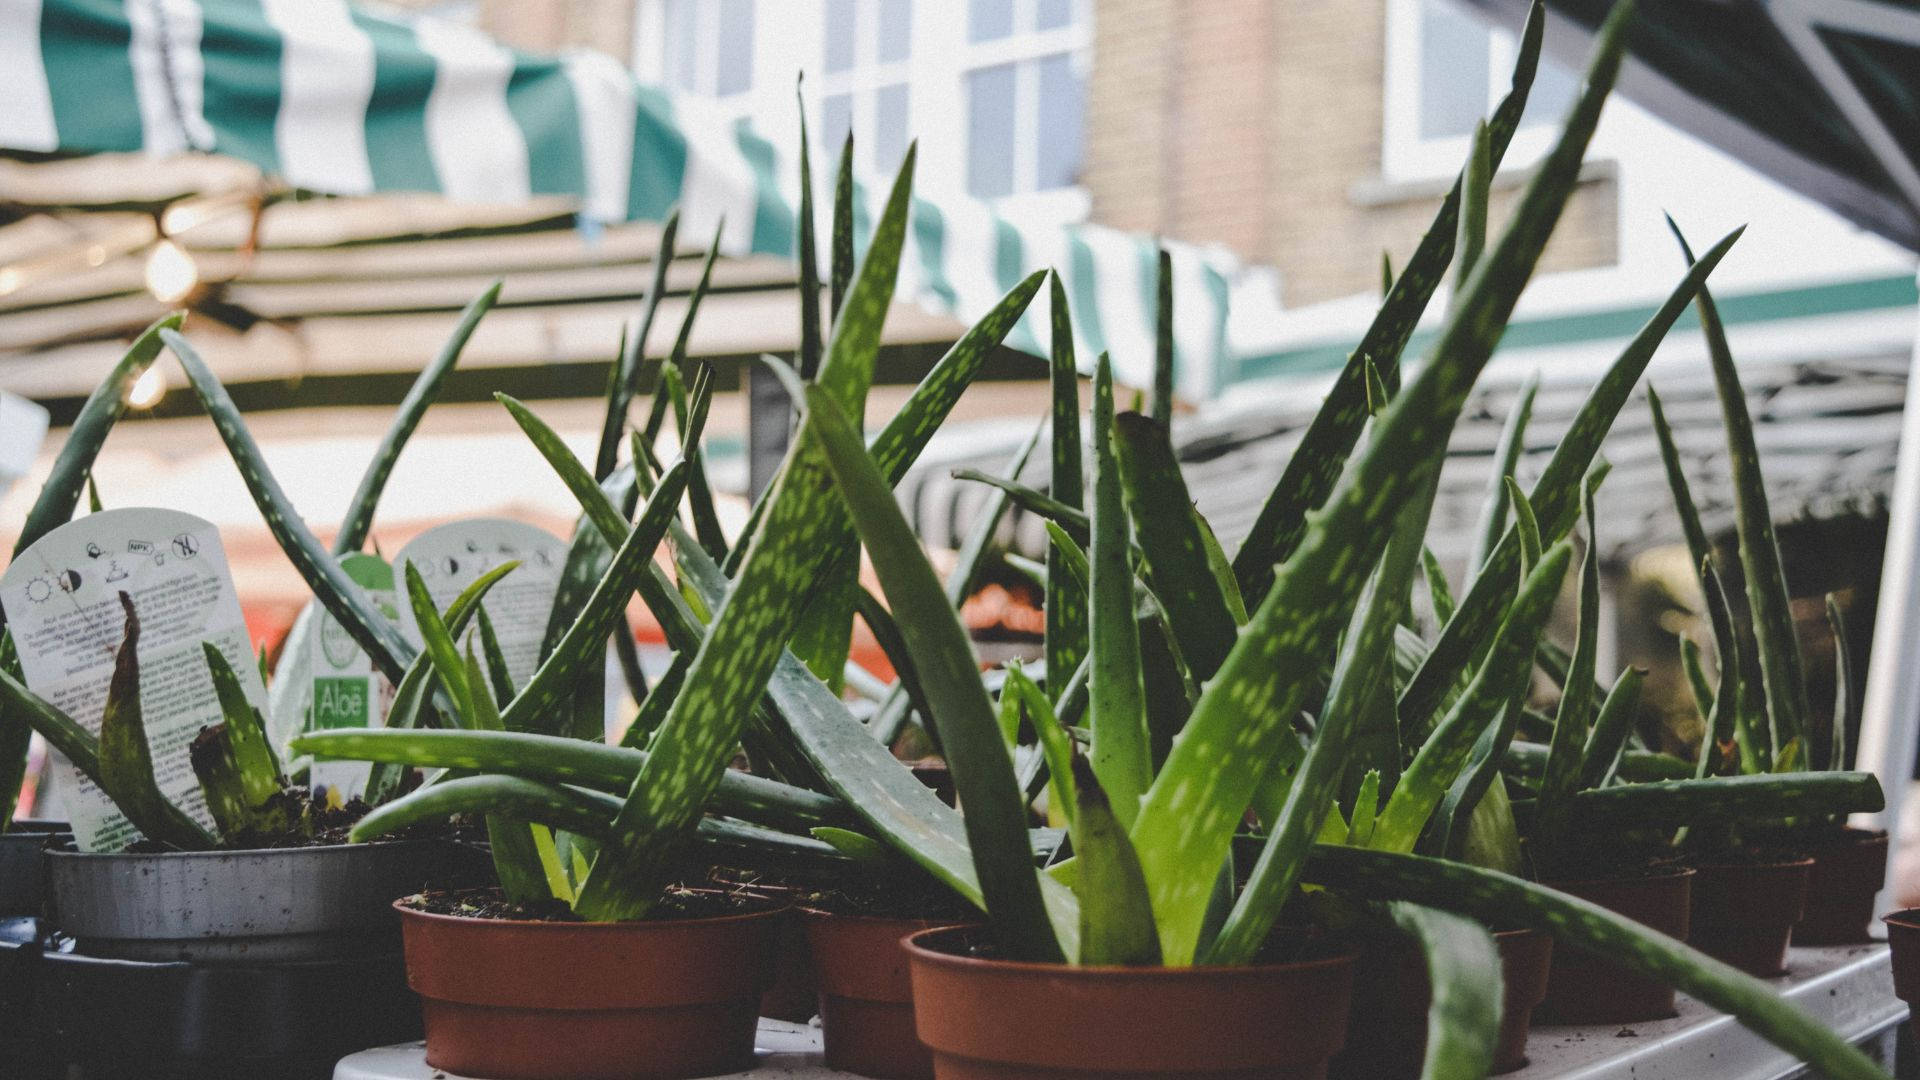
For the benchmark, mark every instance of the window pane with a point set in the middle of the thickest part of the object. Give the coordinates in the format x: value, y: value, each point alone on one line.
x: 889, y: 128
x: 990, y: 132
x: 836, y: 120
x: 1053, y: 14
x: 1062, y: 110
x: 989, y: 20
x: 734, y: 51
x: 840, y: 30
x: 1553, y: 93
x: 1453, y: 72
x: 678, y: 44
x: 896, y: 30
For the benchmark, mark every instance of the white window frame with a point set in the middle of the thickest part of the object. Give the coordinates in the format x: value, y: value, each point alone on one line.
x: 649, y: 60
x: 864, y: 80
x: 1406, y: 154
x: 1024, y: 48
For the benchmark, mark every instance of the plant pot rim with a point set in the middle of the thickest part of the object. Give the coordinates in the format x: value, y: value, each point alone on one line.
x: 917, y: 947
x: 407, y: 912
x: 810, y: 912
x: 224, y: 853
x: 1779, y: 864
x: 1907, y: 917
x: 1664, y: 876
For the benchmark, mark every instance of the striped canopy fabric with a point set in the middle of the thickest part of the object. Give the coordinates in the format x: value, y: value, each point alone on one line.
x: 336, y: 99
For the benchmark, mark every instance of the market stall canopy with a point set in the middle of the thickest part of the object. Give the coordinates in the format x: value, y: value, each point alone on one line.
x: 1821, y: 95
x: 339, y: 100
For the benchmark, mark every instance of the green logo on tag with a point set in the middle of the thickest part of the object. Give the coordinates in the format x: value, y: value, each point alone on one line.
x: 340, y: 702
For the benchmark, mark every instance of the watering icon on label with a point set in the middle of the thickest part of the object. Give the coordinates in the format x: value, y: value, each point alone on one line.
x: 115, y: 572
x: 93, y: 550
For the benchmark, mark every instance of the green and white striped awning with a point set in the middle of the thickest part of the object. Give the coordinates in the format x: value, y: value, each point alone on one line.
x: 335, y: 99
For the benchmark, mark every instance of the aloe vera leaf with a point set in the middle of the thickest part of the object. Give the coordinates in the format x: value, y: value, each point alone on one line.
x: 425, y: 389
x: 1526, y: 525
x: 126, y: 764
x: 257, y: 767
x: 1846, y: 688
x: 1176, y: 551
x: 807, y: 358
x: 1704, y: 699
x: 517, y: 862
x: 1725, y: 648
x: 1066, y: 601
x: 1366, y: 810
x: 103, y: 408
x: 1513, y: 443
x: 562, y: 760
x: 1316, y: 465
x: 588, y: 556
x: 238, y: 772
x: 1571, y: 721
x: 1608, y: 741
x: 1119, y: 714
x: 94, y: 505
x: 1789, y: 759
x: 1461, y: 813
x: 624, y: 381
x: 1310, y: 799
x: 1576, y: 923
x: 1055, y: 745
x: 1501, y: 678
x: 440, y: 648
x: 1476, y: 179
x: 731, y: 667
x: 499, y: 681
x: 346, y: 601
x: 1635, y: 766
x: 1555, y: 499
x: 1467, y: 991
x: 62, y: 732
x: 1222, y: 569
x: 1186, y: 824
x: 553, y: 805
x: 1780, y: 672
x: 944, y: 657
x: 585, y: 640
x: 1723, y: 800
x: 706, y: 519
x: 1163, y: 341
x: 1075, y: 521
x: 1438, y: 593
x: 841, y: 243
x: 1116, y: 917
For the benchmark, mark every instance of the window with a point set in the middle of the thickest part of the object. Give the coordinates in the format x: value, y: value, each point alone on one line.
x: 706, y: 46
x: 1445, y: 71
x: 866, y: 62
x: 1025, y: 96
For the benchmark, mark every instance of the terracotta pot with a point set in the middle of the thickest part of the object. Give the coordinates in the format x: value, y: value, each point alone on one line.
x: 1000, y: 1020
x: 1849, y: 867
x: 520, y: 1000
x: 1743, y: 913
x: 866, y: 995
x: 1585, y: 989
x: 1391, y: 995
x: 1903, y: 934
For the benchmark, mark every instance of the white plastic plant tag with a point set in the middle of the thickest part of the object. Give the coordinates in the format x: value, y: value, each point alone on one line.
x: 62, y: 601
x: 451, y: 557
x: 344, y: 689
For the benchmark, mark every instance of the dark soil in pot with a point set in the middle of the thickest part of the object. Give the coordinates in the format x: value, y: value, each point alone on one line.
x: 1849, y: 867
x: 990, y: 1019
x: 1745, y: 905
x: 1903, y: 934
x: 1583, y: 988
x: 547, y: 999
x: 1391, y: 995
x: 866, y: 995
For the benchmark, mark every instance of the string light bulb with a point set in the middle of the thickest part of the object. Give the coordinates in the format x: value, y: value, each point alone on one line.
x: 146, y: 389
x: 171, y: 273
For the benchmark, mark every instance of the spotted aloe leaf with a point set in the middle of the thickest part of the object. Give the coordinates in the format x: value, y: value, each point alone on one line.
x: 1781, y: 674
x: 1311, y: 472
x: 1724, y: 800
x: 1066, y: 600
x: 1116, y: 915
x: 1186, y: 823
x: 806, y: 250
x: 1574, y: 923
x: 840, y: 276
x: 425, y: 389
x: 623, y: 382
x: 1601, y: 758
x: 1555, y: 500
x: 1163, y: 340
x: 1466, y: 989
x: 1846, y: 688
x: 1118, y: 705
x: 943, y: 655
x: 238, y: 771
x: 734, y: 661
x: 1498, y: 501
x: 126, y: 762
x: 338, y: 593
x: 1571, y: 722
x: 1174, y: 543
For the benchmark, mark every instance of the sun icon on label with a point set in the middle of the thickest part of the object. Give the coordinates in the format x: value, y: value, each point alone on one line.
x: 39, y: 589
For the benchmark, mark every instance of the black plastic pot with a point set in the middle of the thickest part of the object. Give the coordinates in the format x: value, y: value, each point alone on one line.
x: 23, y: 873
x: 21, y: 1049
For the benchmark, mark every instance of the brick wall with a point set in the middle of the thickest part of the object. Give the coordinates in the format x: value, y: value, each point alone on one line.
x: 1257, y: 124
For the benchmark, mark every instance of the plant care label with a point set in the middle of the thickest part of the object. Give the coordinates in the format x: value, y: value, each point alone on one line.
x: 451, y: 557
x: 62, y: 598
x: 345, y: 691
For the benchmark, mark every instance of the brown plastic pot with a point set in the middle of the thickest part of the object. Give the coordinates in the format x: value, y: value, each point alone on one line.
x: 866, y: 994
x: 1583, y: 988
x: 1903, y: 934
x: 1849, y: 867
x: 1743, y: 913
x: 520, y: 1000
x: 1000, y: 1020
x: 1391, y: 995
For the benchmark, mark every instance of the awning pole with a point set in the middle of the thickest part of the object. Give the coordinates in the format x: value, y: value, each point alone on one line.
x: 1890, y: 716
